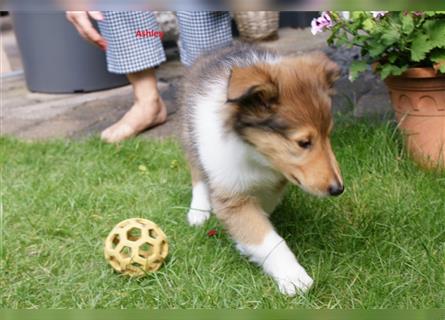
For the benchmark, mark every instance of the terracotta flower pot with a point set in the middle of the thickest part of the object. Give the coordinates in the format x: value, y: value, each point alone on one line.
x: 418, y: 98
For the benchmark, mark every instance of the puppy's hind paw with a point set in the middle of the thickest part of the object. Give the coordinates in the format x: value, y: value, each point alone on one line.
x: 197, y: 217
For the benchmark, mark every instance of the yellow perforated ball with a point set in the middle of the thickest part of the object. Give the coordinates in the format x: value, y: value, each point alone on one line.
x: 136, y: 246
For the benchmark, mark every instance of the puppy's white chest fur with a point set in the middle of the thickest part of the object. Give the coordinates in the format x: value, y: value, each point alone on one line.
x: 229, y: 162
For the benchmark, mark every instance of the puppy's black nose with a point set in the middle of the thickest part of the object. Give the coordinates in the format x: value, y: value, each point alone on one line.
x: 336, y: 189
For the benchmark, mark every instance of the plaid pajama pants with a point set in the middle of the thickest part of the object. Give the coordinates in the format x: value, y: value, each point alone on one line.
x: 126, y: 53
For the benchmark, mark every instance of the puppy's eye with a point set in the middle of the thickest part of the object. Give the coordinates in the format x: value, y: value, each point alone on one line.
x: 305, y: 144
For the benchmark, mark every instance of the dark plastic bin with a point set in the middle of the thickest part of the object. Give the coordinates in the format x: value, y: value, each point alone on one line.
x: 56, y: 59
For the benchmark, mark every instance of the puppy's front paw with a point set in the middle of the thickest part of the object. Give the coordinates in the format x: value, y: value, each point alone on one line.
x: 278, y: 261
x: 293, y: 281
x: 282, y: 265
x: 197, y: 217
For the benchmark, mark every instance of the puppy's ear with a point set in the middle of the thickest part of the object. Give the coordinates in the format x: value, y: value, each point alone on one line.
x: 329, y: 70
x: 252, y: 86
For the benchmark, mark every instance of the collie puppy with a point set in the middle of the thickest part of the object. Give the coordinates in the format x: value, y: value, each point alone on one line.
x: 252, y: 121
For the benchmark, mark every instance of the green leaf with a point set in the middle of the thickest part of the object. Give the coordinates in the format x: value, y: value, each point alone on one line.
x: 434, y: 37
x: 357, y: 67
x: 344, y: 41
x: 369, y: 25
x: 436, y: 32
x: 438, y: 57
x: 407, y: 23
x: 420, y: 47
x: 429, y: 13
x: 334, y: 33
x: 391, y: 70
x: 433, y: 13
x: 438, y: 54
x: 392, y: 57
x: 390, y: 37
x: 376, y: 49
x: 355, y: 15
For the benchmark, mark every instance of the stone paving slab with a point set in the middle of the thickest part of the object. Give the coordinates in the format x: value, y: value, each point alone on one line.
x: 35, y: 116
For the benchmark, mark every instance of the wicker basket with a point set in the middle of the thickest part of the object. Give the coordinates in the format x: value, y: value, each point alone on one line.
x: 257, y: 25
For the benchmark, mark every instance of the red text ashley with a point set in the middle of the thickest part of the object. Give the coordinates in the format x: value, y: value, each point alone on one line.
x: 149, y: 33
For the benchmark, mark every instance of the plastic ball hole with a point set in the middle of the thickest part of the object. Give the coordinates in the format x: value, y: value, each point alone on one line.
x: 115, y: 241
x: 134, y: 234
x: 152, y: 233
x: 125, y: 252
x: 145, y: 250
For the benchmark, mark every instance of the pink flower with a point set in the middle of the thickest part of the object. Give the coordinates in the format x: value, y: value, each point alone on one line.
x: 378, y: 14
x: 321, y: 23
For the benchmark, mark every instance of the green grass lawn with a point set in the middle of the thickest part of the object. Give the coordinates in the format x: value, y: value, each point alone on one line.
x: 380, y: 245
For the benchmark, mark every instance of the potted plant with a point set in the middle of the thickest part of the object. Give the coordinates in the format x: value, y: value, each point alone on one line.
x: 407, y: 49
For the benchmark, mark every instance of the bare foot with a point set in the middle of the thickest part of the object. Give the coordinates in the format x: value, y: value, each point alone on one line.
x: 141, y: 116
